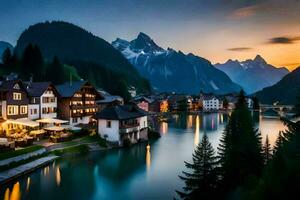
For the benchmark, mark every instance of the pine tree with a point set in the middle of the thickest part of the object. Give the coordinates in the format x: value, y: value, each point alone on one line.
x: 201, y: 182
x: 6, y: 57
x: 225, y: 103
x: 282, y: 175
x: 279, y: 143
x: 32, y: 63
x: 256, y: 105
x: 267, y: 151
x: 240, y: 151
x: 55, y: 72
x: 297, y: 106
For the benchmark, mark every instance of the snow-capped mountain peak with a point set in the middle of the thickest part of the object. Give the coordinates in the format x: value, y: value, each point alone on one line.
x: 252, y: 75
x: 165, y: 67
x: 144, y: 42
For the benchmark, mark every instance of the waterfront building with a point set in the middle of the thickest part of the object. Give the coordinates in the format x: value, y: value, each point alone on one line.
x: 211, y: 103
x: 77, y: 102
x: 122, y: 122
x: 42, y: 100
x: 108, y: 100
x: 13, y: 100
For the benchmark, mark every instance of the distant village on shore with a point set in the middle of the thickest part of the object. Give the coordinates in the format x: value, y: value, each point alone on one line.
x: 34, y: 110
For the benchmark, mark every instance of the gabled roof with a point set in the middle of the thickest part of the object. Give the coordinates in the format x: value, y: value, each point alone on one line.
x: 143, y: 98
x: 121, y: 112
x: 109, y: 99
x: 209, y: 97
x: 68, y: 90
x: 37, y: 89
x: 9, y: 85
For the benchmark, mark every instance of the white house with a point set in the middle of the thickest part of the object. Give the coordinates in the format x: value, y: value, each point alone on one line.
x: 43, y: 100
x: 211, y: 103
x: 121, y: 122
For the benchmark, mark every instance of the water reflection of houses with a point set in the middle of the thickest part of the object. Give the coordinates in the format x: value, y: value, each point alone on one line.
x: 119, y: 165
x: 211, y: 122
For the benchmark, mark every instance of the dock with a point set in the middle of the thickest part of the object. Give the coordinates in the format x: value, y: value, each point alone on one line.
x: 16, y: 172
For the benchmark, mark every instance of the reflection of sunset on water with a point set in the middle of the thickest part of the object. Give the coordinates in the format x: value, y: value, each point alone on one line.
x: 221, y: 118
x: 28, y: 184
x: 58, y: 177
x: 164, y: 127
x: 268, y: 127
x: 190, y: 121
x: 148, y: 157
x: 6, y: 195
x: 16, y: 193
x: 197, y: 131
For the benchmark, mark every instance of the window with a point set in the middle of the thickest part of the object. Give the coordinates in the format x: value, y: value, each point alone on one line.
x: 77, y: 95
x: 17, y: 96
x: 77, y: 103
x: 17, y: 87
x: 48, y: 100
x: 74, y: 120
x: 108, y: 124
x: 12, y: 110
x: 33, y: 111
x: 23, y: 110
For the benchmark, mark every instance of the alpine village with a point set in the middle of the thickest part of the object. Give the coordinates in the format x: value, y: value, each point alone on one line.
x: 81, y: 118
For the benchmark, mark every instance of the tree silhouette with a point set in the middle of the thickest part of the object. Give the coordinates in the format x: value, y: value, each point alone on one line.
x: 55, y: 72
x: 6, y: 57
x: 240, y: 151
x: 32, y: 63
x: 201, y: 182
x: 267, y: 151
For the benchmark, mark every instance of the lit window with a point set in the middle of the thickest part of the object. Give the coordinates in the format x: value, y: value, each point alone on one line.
x: 12, y: 110
x: 23, y: 110
x: 17, y: 96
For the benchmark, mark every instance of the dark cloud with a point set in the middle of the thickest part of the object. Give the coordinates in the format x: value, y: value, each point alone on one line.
x: 283, y: 40
x: 240, y: 49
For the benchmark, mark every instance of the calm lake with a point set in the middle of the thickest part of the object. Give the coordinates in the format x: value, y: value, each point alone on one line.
x: 135, y: 173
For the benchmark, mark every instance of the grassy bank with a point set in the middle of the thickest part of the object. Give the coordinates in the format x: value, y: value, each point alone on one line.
x: 82, y: 148
x: 15, y: 153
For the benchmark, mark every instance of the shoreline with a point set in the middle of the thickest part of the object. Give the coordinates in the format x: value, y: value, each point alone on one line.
x: 14, y: 173
x: 10, y: 175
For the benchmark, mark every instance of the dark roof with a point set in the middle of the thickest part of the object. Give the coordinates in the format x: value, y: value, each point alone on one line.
x: 36, y: 89
x: 8, y: 85
x: 121, y: 112
x: 68, y: 90
x: 209, y: 97
x: 109, y: 99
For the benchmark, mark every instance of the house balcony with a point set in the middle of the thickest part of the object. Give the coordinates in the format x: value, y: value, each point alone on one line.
x: 86, y: 106
x: 83, y: 114
x: 128, y: 128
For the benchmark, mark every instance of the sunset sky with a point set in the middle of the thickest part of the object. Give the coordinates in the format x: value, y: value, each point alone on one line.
x: 214, y: 29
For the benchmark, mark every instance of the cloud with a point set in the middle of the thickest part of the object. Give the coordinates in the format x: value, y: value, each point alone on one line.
x: 283, y: 40
x: 244, y: 12
x: 240, y: 49
x: 265, y: 8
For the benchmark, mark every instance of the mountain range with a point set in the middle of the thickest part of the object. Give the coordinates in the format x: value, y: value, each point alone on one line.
x: 173, y: 71
x: 3, y: 46
x: 285, y: 91
x: 252, y: 75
